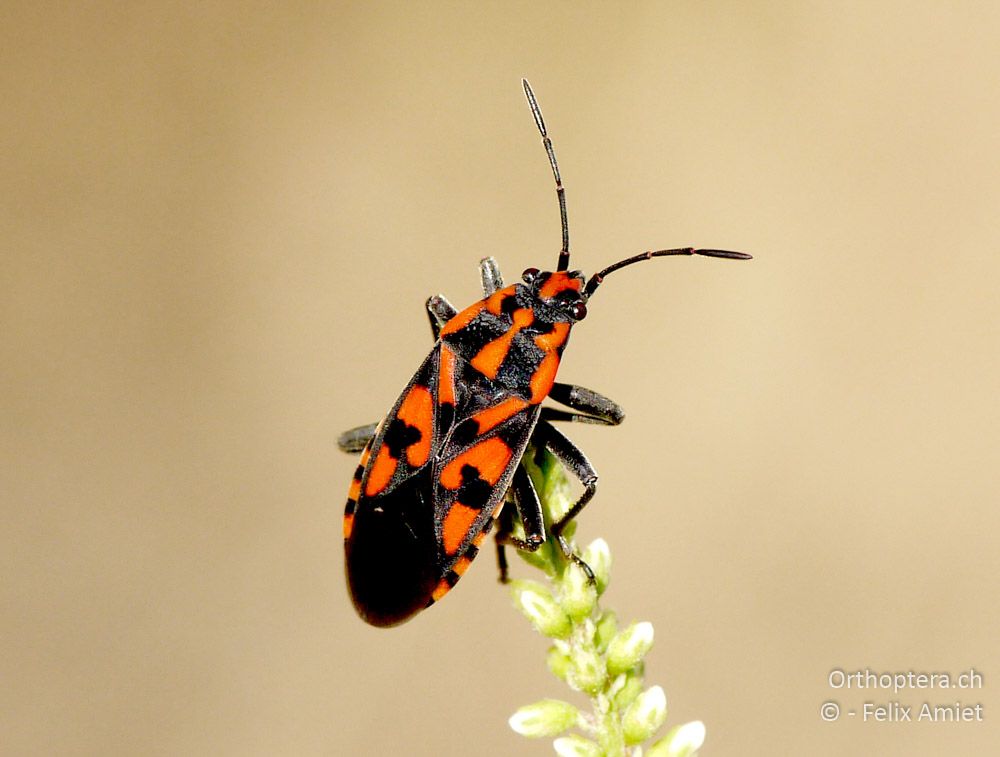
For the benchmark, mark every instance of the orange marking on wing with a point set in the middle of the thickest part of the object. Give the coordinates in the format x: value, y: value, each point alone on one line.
x: 489, y: 359
x: 381, y: 473
x: 555, y: 338
x: 417, y: 410
x: 478, y: 539
x: 440, y: 590
x: 355, y: 491
x: 461, y: 565
x: 463, y: 319
x: 456, y: 525
x: 558, y: 282
x: 543, y: 377
x: 348, y: 525
x: 446, y: 377
x: 489, y: 457
x: 494, y: 416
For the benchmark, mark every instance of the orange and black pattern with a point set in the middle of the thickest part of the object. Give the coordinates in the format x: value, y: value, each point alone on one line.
x: 432, y: 481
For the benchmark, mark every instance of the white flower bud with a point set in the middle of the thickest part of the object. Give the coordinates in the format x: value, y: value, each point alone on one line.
x: 549, y: 717
x: 576, y: 746
x: 644, y: 715
x: 629, y: 647
x: 680, y: 741
x: 578, y: 596
x: 541, y: 609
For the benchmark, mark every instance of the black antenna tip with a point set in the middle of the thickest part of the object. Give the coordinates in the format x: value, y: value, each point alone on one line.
x: 724, y: 254
x: 535, y: 110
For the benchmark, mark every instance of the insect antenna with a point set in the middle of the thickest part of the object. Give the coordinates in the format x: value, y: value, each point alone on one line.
x: 560, y: 191
x: 597, y: 278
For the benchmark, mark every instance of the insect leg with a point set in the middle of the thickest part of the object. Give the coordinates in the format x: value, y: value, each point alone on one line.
x: 489, y: 271
x: 439, y: 312
x: 506, y: 525
x: 579, y: 466
x: 529, y: 509
x: 356, y: 439
x: 593, y: 407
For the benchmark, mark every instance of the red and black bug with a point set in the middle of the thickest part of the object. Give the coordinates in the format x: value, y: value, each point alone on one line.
x: 435, y: 473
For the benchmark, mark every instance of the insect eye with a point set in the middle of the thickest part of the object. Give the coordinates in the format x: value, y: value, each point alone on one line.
x: 578, y: 310
x: 529, y: 275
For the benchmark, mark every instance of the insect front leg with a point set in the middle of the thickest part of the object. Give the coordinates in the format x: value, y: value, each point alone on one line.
x: 579, y: 466
x: 592, y: 407
x: 489, y: 270
x: 529, y: 509
x: 356, y: 439
x: 439, y: 312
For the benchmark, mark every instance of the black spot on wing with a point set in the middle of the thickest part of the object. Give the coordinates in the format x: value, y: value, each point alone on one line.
x: 399, y: 436
x: 466, y: 432
x: 473, y: 491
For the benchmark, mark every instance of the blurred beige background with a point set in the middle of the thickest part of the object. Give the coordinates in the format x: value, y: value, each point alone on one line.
x: 220, y: 221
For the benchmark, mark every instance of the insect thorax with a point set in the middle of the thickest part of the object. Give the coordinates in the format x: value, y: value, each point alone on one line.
x: 512, y: 338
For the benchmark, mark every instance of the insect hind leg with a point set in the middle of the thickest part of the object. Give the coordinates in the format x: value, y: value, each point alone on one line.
x: 529, y: 509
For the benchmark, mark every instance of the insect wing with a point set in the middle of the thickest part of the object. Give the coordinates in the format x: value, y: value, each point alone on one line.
x: 429, y: 486
x: 471, y: 483
x: 390, y: 541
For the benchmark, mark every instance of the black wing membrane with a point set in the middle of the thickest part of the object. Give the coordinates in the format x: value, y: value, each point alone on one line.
x: 392, y: 566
